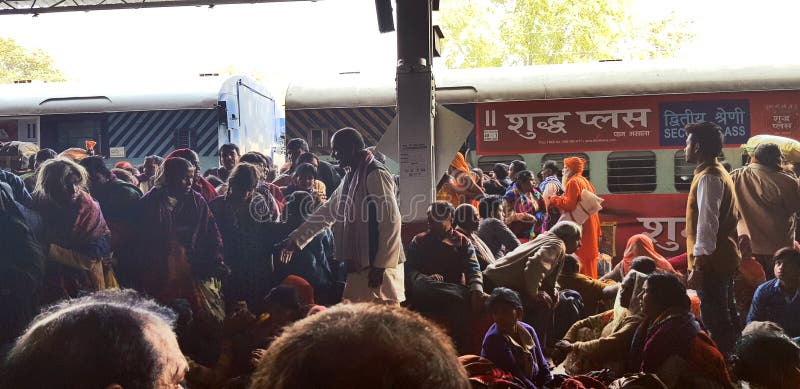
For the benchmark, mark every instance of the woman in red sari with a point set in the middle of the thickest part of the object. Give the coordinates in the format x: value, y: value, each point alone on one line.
x: 77, y: 240
x: 574, y: 184
x: 672, y: 343
x: 199, y: 184
x: 180, y: 244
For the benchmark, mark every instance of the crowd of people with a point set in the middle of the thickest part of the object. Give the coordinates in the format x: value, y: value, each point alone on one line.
x: 250, y: 275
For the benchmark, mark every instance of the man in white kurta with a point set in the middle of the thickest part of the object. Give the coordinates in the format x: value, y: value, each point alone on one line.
x: 373, y: 249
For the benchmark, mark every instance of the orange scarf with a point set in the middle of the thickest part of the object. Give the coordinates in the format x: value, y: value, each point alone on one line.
x: 642, y: 245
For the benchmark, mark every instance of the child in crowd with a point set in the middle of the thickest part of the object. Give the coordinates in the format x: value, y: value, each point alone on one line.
x: 304, y: 179
x: 315, y: 262
x: 513, y: 345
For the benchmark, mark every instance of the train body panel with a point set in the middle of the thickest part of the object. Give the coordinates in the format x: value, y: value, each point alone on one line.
x: 625, y: 119
x: 131, y: 121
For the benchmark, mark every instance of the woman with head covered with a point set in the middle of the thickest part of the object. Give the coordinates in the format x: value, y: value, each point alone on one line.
x: 601, y: 341
x: 639, y: 245
x: 180, y: 244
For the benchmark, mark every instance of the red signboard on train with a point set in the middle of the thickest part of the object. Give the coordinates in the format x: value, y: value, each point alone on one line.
x: 630, y: 123
x: 636, y: 214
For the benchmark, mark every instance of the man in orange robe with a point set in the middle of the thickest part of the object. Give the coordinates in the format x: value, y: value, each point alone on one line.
x: 574, y: 184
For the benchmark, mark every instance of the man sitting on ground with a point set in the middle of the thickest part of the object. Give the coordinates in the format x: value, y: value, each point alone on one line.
x: 466, y: 222
x: 533, y: 268
x: 592, y: 291
x: 440, y: 262
x: 778, y: 300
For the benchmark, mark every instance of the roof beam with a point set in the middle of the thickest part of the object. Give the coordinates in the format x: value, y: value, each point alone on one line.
x: 149, y: 4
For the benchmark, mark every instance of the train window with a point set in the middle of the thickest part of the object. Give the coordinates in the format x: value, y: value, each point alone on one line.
x: 75, y: 133
x: 486, y: 163
x: 184, y: 138
x: 559, y: 159
x: 631, y: 171
x: 318, y: 138
x: 684, y: 171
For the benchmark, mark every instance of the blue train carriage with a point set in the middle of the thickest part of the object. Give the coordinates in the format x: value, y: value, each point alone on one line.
x: 130, y: 121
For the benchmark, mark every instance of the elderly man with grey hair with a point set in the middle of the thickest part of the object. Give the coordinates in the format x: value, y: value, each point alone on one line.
x: 768, y: 199
x: 107, y: 340
x: 532, y: 269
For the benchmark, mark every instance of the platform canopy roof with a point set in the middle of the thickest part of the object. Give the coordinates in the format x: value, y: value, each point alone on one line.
x: 10, y: 7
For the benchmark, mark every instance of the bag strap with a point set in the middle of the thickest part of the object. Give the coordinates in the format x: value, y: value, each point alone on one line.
x: 584, y: 209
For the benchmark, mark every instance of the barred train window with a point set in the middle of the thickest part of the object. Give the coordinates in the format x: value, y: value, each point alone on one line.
x: 486, y: 163
x: 559, y: 160
x: 684, y: 171
x: 631, y: 171
x: 318, y: 138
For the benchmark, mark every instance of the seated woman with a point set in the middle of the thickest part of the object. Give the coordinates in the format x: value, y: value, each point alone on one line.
x: 639, y: 245
x: 601, y: 341
x: 671, y: 343
x: 513, y: 345
x: 466, y: 222
x: 524, y: 207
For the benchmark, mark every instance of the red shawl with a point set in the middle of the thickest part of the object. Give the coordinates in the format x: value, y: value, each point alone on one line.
x: 176, y: 246
x: 76, y: 225
x: 202, y: 186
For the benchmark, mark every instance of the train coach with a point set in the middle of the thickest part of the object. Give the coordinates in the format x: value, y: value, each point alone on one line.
x: 625, y: 119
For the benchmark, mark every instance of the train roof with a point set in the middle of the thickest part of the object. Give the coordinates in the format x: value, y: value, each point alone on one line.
x: 545, y: 82
x: 83, y: 97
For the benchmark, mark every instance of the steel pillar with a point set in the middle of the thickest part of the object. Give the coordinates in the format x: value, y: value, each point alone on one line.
x: 415, y: 108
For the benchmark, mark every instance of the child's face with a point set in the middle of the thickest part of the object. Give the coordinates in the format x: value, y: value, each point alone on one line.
x: 787, y: 271
x: 505, y: 315
x: 304, y: 182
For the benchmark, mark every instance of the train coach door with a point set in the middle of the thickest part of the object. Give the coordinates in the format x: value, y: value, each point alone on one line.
x: 61, y: 132
x: 28, y: 130
x: 25, y: 129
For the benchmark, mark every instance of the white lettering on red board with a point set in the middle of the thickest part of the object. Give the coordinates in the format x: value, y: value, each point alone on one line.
x: 630, y: 116
x: 553, y: 122
x: 655, y: 226
x: 526, y: 124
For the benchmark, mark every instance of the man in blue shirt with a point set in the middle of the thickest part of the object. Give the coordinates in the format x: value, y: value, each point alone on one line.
x: 778, y: 300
